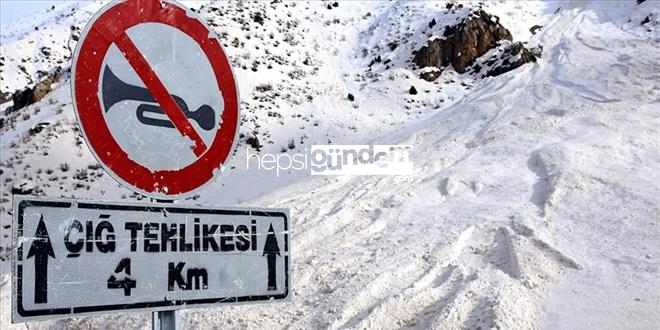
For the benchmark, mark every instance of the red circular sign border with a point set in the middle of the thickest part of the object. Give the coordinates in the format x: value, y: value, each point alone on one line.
x: 99, y: 35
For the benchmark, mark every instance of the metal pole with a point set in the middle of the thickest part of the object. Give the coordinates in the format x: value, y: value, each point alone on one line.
x: 164, y: 320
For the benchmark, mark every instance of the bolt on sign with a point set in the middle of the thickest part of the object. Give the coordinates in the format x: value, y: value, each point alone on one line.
x: 155, y: 97
x: 74, y: 258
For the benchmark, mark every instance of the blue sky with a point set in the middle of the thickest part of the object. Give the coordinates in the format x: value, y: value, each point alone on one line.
x: 10, y: 10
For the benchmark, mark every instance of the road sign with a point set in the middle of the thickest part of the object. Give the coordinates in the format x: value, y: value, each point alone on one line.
x: 155, y: 97
x: 75, y: 258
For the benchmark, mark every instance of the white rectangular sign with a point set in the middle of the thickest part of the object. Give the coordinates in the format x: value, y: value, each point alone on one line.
x: 74, y: 258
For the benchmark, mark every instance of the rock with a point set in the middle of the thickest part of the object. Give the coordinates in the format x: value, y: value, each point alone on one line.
x: 430, y: 73
x: 22, y: 98
x: 36, y: 129
x: 535, y: 28
x: 4, y: 97
x: 508, y: 56
x: 46, y: 51
x: 257, y: 18
x: 29, y: 95
x: 22, y: 189
x: 393, y: 45
x: 462, y: 43
x: 41, y: 89
x: 253, y: 141
x: 351, y: 97
x: 377, y: 59
x: 413, y: 90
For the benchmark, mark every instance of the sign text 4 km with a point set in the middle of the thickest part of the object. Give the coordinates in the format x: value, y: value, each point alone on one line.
x: 80, y: 258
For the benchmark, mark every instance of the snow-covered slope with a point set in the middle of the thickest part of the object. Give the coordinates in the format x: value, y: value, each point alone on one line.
x: 536, y: 194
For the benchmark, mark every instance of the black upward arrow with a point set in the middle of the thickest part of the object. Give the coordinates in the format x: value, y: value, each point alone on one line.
x: 271, y: 249
x: 41, y: 249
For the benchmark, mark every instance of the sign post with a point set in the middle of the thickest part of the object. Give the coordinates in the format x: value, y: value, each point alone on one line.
x: 164, y: 320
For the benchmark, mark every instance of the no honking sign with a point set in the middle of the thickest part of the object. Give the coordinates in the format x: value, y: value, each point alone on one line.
x: 155, y: 97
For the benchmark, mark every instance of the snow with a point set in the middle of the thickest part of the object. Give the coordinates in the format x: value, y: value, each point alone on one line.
x: 535, y: 197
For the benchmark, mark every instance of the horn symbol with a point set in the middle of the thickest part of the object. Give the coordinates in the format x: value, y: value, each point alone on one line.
x: 115, y: 90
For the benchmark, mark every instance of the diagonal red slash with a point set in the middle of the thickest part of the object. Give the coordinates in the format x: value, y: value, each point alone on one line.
x: 159, y: 92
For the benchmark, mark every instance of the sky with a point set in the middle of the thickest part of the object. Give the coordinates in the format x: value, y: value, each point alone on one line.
x: 10, y: 10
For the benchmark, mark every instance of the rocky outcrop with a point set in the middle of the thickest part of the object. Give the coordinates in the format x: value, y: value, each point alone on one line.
x: 504, y: 58
x: 22, y: 99
x: 513, y: 56
x: 29, y: 95
x: 462, y: 43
